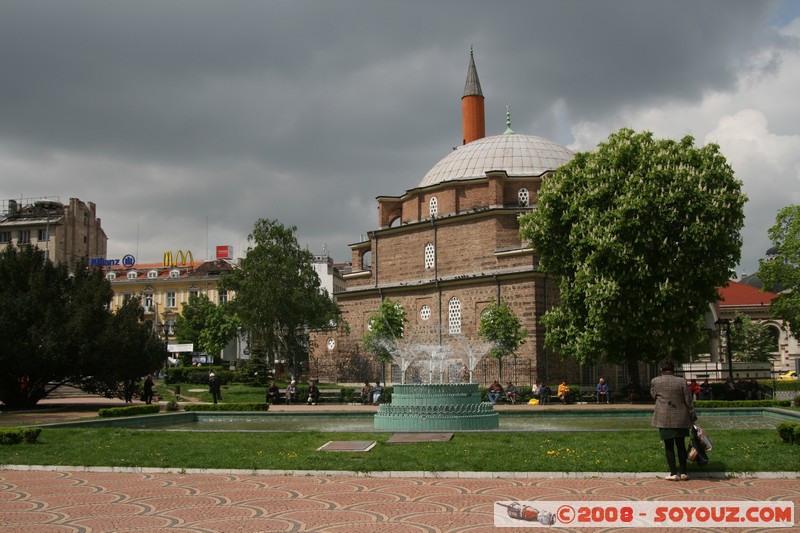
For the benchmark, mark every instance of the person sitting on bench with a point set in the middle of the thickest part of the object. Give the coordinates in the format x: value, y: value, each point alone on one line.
x: 603, y: 392
x: 563, y: 392
x: 273, y: 393
x: 511, y: 393
x: 313, y: 393
x: 291, y: 392
x: 366, y: 393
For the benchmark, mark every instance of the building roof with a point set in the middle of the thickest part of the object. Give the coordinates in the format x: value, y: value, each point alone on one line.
x: 739, y: 294
x: 518, y: 155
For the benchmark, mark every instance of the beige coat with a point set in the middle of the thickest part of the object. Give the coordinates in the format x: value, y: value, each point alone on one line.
x: 674, y: 406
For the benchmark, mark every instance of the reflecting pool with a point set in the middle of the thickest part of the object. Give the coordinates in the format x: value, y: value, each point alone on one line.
x: 710, y: 419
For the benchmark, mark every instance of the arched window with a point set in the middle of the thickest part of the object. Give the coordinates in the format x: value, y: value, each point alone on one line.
x: 133, y: 274
x: 775, y: 335
x: 111, y: 276
x: 430, y: 255
x: 454, y: 316
x: 434, y: 206
x: 152, y: 274
x: 523, y: 197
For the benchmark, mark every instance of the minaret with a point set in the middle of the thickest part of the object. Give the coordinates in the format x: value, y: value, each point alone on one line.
x: 472, y: 116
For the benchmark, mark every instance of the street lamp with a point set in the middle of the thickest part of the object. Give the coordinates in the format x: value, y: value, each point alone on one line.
x: 724, y: 325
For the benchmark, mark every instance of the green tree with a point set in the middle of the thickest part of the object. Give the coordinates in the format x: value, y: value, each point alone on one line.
x: 193, y: 319
x: 209, y: 327
x: 781, y: 274
x: 278, y: 290
x: 57, y: 329
x: 130, y: 350
x: 386, y: 326
x: 500, y: 326
x: 752, y: 342
x: 639, y: 234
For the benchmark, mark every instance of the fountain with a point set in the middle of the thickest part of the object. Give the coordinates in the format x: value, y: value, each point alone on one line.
x: 436, y: 406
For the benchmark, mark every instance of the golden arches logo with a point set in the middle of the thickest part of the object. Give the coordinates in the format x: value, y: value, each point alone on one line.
x: 180, y: 258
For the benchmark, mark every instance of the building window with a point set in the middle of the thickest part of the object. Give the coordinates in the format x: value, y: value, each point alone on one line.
x: 126, y: 298
x: 44, y: 235
x: 454, y: 316
x: 425, y: 312
x: 430, y: 255
x: 171, y: 299
x: 148, y: 302
x: 524, y: 197
x: 175, y: 273
x: 111, y: 276
x: 152, y: 274
x: 193, y: 293
x: 331, y: 343
x: 434, y: 206
x: 5, y: 236
x: 223, y: 297
x: 24, y: 236
x: 133, y: 274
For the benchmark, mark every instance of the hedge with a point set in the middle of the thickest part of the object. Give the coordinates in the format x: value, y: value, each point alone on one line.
x: 13, y: 435
x: 132, y: 410
x: 226, y: 407
x: 789, y: 432
x: 198, y: 374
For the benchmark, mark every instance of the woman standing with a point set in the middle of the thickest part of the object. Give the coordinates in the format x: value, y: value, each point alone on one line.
x: 673, y: 416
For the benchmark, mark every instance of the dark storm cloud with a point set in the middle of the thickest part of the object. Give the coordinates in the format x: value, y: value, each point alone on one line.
x: 192, y: 113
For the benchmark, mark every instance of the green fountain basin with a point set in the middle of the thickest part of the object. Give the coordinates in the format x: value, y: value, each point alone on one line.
x: 444, y: 407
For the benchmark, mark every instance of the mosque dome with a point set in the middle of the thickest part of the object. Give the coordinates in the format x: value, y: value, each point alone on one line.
x: 517, y: 155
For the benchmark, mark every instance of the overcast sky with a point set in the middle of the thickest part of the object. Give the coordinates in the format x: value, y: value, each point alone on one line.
x: 186, y: 121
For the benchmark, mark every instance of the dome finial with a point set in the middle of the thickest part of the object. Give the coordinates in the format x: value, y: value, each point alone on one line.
x: 508, y: 131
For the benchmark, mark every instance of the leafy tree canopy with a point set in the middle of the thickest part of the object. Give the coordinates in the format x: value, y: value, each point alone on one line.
x: 386, y: 325
x: 209, y: 327
x: 500, y: 326
x: 278, y: 290
x: 56, y: 328
x: 639, y: 234
x: 782, y: 273
x: 752, y: 342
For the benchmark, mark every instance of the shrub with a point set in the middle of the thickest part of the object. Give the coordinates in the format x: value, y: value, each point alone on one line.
x: 789, y: 432
x: 132, y: 410
x: 796, y: 401
x: 198, y: 374
x: 172, y: 405
x: 226, y: 407
x: 14, y: 435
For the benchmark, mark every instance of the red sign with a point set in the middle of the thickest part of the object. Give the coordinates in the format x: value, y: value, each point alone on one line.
x: 224, y: 252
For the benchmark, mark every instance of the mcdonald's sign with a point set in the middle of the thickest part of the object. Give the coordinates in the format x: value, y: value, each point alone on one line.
x: 180, y: 258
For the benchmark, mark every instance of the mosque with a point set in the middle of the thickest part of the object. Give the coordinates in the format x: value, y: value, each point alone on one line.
x: 449, y: 247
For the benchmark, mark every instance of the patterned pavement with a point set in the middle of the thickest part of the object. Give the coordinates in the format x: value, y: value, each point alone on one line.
x: 46, y: 500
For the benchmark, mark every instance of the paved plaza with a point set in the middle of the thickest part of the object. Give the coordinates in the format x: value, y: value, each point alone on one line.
x: 74, y: 499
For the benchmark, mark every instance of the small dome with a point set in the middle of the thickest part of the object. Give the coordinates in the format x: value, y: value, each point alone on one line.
x: 518, y: 155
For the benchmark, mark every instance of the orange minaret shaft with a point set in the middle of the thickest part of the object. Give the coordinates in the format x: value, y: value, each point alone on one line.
x: 472, y: 115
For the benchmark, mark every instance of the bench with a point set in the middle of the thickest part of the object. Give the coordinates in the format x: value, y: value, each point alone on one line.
x: 589, y: 394
x: 325, y: 395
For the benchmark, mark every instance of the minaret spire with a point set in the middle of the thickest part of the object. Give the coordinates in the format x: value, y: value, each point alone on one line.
x: 472, y: 113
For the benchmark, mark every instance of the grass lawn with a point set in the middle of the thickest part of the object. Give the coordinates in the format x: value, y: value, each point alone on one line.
x: 623, y: 451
